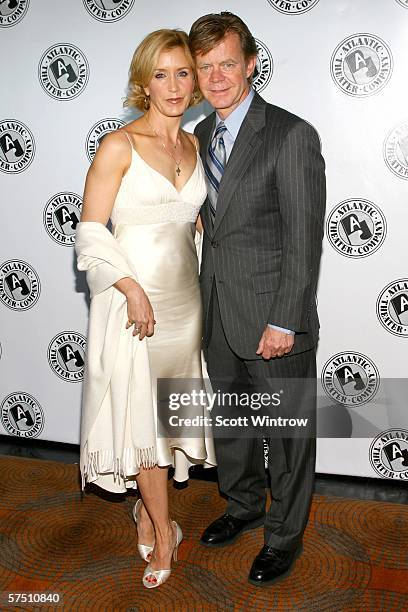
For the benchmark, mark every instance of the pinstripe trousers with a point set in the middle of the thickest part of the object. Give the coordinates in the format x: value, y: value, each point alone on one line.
x: 241, y: 465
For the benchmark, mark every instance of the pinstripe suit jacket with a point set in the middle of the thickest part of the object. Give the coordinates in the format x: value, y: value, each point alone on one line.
x: 264, y: 249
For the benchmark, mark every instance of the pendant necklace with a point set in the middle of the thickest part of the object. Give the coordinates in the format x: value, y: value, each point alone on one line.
x: 159, y: 136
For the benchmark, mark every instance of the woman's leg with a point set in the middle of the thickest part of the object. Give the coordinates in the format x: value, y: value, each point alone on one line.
x: 152, y: 484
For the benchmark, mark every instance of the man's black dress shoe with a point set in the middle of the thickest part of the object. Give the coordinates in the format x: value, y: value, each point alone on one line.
x: 226, y: 529
x: 272, y: 565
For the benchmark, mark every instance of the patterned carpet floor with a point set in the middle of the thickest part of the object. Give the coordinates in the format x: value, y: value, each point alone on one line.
x: 355, y: 552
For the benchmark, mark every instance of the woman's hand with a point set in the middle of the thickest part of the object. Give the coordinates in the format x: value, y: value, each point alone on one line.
x: 140, y: 312
x: 139, y: 309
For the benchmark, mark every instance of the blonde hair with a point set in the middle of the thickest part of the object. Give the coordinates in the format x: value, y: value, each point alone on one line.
x: 144, y: 62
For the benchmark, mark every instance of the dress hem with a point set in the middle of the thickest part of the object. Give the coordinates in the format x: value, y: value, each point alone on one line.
x: 102, y: 461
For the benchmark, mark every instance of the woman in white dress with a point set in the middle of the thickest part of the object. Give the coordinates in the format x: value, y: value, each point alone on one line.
x: 145, y: 313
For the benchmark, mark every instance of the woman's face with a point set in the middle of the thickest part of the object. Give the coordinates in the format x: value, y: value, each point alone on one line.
x: 172, y: 84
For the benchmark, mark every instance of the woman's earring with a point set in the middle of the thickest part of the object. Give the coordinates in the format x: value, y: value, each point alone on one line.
x: 146, y: 104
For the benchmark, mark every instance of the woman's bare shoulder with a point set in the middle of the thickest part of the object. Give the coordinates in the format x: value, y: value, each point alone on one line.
x: 114, y: 143
x: 113, y: 155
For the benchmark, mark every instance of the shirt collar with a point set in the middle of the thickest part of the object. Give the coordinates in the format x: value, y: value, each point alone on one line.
x: 234, y: 121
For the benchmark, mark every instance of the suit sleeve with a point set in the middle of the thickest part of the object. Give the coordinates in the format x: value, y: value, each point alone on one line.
x: 301, y: 186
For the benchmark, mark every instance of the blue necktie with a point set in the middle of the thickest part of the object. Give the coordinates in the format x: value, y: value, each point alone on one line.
x: 214, y: 166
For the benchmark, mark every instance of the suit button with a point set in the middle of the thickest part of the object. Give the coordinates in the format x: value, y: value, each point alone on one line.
x: 214, y: 244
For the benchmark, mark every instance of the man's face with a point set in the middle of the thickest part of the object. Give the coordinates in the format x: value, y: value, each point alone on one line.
x: 223, y: 73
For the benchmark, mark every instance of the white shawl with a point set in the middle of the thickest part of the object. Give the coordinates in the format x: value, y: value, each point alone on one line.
x: 105, y: 262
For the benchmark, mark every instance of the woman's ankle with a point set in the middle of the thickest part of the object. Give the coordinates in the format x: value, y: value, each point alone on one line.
x: 165, y: 532
x: 144, y: 516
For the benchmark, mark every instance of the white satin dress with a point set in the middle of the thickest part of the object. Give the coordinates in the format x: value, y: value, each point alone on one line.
x: 154, y: 224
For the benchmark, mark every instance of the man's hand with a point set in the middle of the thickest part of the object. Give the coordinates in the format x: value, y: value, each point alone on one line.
x: 274, y: 343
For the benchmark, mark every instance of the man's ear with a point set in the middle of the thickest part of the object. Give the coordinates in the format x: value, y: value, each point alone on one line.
x: 250, y: 66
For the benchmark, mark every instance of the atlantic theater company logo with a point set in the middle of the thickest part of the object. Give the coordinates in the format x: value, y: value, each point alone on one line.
x: 61, y: 217
x: 350, y: 378
x: 63, y: 71
x: 108, y: 10
x: 403, y: 3
x: 392, y: 307
x: 389, y: 454
x: 12, y: 12
x: 66, y: 355
x: 19, y: 285
x: 293, y: 7
x: 264, y: 67
x: 97, y: 132
x: 361, y: 65
x: 356, y: 228
x: 22, y: 415
x: 396, y: 150
x: 17, y: 146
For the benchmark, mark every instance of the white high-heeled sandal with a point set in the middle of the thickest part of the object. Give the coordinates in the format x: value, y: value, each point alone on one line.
x: 163, y: 574
x: 144, y: 549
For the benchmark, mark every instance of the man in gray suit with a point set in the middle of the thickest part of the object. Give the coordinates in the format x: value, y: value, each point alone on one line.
x: 263, y: 229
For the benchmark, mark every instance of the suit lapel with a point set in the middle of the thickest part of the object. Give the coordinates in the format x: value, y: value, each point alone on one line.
x: 205, y: 138
x: 243, y: 151
x: 204, y: 141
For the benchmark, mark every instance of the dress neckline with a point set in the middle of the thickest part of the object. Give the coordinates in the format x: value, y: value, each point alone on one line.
x: 165, y: 177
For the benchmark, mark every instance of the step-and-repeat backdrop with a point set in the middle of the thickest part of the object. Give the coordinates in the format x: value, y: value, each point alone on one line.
x: 339, y: 64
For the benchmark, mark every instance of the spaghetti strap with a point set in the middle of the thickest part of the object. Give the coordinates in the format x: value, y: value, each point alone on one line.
x: 129, y: 139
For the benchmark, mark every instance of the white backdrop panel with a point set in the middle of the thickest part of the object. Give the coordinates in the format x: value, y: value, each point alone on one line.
x: 362, y: 353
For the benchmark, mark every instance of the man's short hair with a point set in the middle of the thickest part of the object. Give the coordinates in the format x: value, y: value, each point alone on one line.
x: 210, y: 29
